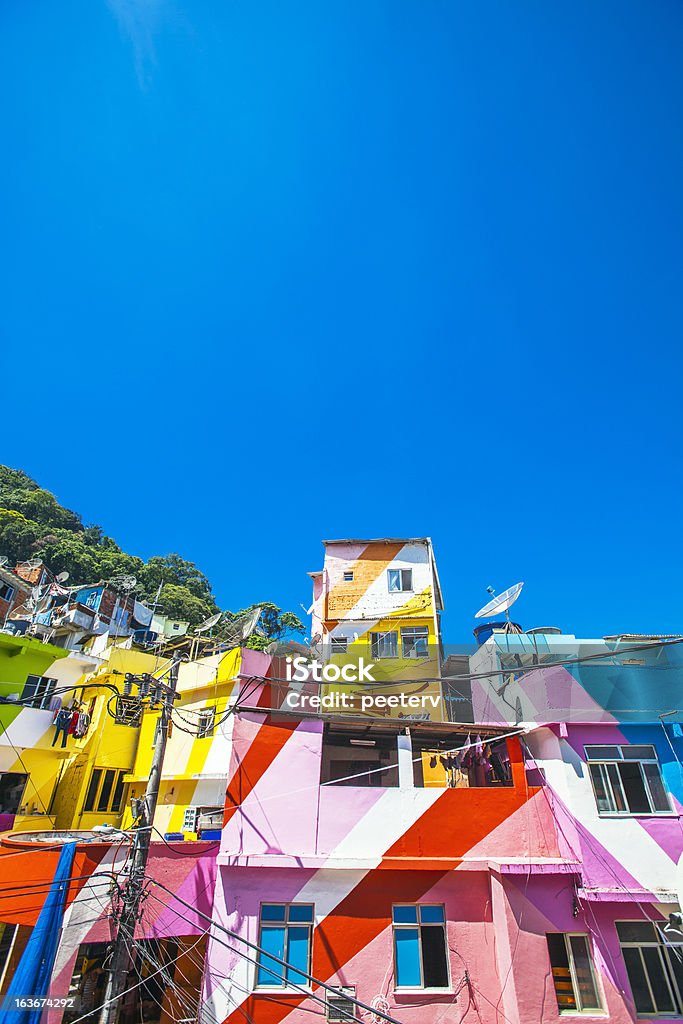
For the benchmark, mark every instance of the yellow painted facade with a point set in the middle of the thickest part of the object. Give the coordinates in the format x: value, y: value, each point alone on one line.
x: 195, y: 766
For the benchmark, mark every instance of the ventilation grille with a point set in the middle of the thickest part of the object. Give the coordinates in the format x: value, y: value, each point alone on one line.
x: 342, y: 1008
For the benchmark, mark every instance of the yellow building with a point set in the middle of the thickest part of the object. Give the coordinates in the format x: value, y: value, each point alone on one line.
x: 197, y: 760
x: 380, y: 600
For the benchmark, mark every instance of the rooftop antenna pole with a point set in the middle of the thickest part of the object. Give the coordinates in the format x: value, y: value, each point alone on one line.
x: 121, y: 961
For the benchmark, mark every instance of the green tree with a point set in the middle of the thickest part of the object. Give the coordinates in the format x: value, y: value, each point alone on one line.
x: 180, y: 603
x: 273, y: 624
x: 177, y: 571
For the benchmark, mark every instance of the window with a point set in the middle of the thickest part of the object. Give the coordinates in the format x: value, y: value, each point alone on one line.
x: 6, y: 592
x: 654, y: 968
x: 355, y: 757
x: 105, y: 790
x: 205, y: 725
x: 339, y: 644
x: 91, y: 600
x: 384, y: 645
x: 420, y: 959
x: 285, y: 931
x: 348, y: 577
x: 40, y: 688
x: 190, y: 819
x: 573, y: 976
x: 627, y: 779
x: 415, y: 640
x: 399, y: 579
x: 12, y: 786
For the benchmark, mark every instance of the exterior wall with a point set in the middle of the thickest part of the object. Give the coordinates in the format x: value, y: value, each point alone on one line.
x: 355, y: 609
x: 196, y: 770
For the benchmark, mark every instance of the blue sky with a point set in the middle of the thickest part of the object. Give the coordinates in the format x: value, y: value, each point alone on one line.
x: 278, y: 272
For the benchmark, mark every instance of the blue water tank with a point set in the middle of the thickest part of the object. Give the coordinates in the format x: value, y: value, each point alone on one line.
x: 483, y: 632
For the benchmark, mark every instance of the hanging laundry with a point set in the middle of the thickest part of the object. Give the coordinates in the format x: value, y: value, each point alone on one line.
x: 55, y: 704
x: 62, y: 725
x: 82, y: 725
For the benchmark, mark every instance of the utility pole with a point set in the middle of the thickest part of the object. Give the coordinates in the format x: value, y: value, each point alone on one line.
x: 121, y: 959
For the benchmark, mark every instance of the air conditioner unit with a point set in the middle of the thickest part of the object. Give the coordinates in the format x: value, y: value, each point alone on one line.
x: 342, y: 1007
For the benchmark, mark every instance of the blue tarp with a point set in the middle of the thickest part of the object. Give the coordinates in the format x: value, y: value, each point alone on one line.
x: 31, y: 979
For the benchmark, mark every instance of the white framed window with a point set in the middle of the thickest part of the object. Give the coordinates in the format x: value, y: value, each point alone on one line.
x: 415, y: 641
x: 384, y: 645
x: 348, y: 576
x: 6, y: 592
x: 285, y: 931
x: 190, y: 819
x: 420, y: 949
x: 92, y: 599
x: 576, y: 989
x: 399, y: 579
x: 339, y: 644
x: 206, y: 723
x: 627, y: 779
x: 654, y: 968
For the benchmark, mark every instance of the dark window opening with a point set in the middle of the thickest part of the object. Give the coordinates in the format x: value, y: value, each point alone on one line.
x: 12, y: 786
x: 359, y: 758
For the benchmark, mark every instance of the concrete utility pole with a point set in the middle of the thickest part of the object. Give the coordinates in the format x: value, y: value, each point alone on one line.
x: 121, y: 960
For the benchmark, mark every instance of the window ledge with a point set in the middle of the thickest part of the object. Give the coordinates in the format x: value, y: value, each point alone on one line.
x: 638, y: 814
x: 424, y: 991
x: 280, y: 991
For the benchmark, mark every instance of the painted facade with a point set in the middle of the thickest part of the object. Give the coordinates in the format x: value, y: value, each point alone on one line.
x: 522, y: 869
x: 380, y: 600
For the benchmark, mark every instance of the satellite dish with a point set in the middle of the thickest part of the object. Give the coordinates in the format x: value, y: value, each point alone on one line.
x: 209, y: 623
x: 242, y: 627
x: 34, y: 563
x: 501, y: 603
x: 62, y: 578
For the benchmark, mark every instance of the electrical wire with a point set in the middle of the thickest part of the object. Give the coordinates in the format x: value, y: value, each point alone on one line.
x: 271, y: 956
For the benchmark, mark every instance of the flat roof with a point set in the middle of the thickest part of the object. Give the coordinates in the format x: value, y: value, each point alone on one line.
x: 380, y: 540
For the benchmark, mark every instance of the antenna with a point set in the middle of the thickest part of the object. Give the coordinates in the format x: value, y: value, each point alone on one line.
x: 501, y: 603
x: 209, y: 623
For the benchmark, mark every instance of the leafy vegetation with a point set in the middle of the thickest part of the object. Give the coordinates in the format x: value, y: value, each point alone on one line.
x: 34, y: 525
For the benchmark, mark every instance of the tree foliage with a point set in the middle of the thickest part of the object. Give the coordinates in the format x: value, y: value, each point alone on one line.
x: 273, y: 624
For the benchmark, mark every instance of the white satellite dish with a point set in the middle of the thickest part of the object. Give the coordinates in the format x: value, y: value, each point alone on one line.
x: 62, y: 578
x: 500, y: 603
x: 208, y: 623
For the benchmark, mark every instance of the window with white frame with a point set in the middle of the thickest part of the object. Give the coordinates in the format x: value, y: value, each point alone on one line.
x: 348, y: 576
x: 573, y: 974
x: 285, y: 931
x: 654, y: 968
x: 384, y: 645
x: 6, y: 592
x: 399, y: 579
x: 339, y: 644
x: 420, y: 950
x: 415, y: 640
x: 627, y: 779
x: 206, y: 723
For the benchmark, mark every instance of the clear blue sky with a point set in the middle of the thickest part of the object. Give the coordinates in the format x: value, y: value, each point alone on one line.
x: 275, y: 272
